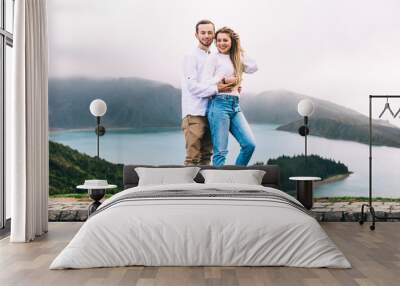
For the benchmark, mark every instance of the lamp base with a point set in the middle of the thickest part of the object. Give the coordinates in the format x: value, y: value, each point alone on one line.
x: 100, y: 130
x: 96, y: 195
x: 304, y: 130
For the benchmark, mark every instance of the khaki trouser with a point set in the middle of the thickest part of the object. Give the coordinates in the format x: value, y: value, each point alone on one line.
x: 198, y: 140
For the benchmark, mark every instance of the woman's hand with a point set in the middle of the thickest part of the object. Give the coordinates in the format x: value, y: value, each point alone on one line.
x: 224, y: 87
x: 230, y: 79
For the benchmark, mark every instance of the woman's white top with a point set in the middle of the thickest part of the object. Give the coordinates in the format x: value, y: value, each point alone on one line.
x: 219, y: 65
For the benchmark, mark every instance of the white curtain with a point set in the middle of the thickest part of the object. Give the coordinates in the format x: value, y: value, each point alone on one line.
x: 27, y: 123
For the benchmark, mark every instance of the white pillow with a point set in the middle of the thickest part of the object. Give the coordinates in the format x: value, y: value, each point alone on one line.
x: 162, y: 176
x: 248, y: 177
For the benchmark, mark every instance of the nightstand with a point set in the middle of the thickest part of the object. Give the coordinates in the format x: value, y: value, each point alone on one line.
x: 304, y: 188
x: 96, y: 190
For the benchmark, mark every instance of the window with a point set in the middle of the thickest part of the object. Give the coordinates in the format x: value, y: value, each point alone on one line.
x: 6, y: 43
x: 9, y: 19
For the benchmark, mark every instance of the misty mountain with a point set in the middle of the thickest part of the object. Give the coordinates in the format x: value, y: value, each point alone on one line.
x: 335, y: 129
x: 329, y: 120
x: 131, y: 102
x: 280, y: 107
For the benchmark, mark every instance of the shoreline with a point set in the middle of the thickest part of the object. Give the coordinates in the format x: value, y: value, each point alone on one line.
x: 55, y: 130
x: 332, y: 179
x: 52, y: 130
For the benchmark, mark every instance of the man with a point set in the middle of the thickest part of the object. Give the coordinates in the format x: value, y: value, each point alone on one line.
x: 195, y: 96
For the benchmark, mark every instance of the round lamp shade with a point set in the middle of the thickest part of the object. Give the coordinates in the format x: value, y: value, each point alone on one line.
x: 98, y: 107
x: 305, y: 107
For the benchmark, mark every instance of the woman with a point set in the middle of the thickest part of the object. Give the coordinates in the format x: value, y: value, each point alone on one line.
x: 224, y: 114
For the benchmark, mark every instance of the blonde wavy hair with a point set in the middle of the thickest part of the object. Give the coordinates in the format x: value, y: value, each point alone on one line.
x: 234, y: 54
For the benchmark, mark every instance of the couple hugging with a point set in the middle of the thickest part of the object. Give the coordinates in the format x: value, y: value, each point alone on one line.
x: 210, y: 98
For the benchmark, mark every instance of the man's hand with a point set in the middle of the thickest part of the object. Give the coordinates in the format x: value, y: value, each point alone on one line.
x: 224, y: 87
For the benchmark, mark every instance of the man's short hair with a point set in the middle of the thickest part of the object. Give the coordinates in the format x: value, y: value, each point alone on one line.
x: 203, y: 22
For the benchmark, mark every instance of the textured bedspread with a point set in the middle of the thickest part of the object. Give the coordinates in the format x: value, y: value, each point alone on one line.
x: 201, y: 224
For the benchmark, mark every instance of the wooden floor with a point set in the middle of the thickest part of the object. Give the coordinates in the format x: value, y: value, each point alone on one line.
x: 375, y: 257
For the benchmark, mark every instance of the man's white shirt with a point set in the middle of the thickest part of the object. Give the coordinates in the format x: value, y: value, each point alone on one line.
x: 195, y: 92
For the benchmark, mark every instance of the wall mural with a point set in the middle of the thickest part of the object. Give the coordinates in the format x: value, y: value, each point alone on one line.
x: 152, y: 67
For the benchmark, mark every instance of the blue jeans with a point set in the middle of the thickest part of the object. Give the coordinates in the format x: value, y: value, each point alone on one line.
x: 224, y: 116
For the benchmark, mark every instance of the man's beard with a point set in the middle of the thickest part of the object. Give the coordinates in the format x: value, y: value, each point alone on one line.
x: 204, y: 44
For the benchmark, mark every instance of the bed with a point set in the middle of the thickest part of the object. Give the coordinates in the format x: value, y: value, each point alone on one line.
x: 197, y: 224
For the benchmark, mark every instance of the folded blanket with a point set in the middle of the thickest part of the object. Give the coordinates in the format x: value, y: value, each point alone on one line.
x: 206, y: 193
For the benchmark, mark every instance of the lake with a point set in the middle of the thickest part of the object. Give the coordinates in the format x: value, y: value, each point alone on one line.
x: 166, y: 146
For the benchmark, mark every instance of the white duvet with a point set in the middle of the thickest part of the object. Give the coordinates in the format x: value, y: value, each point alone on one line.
x: 200, y: 231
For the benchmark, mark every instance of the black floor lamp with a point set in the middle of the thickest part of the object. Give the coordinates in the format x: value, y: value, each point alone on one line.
x: 98, y: 108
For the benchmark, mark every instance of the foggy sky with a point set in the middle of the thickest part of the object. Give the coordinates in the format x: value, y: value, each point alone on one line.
x: 338, y: 50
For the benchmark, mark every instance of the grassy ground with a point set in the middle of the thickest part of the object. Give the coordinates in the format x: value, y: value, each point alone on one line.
x: 355, y: 199
x: 84, y: 196
x: 77, y: 196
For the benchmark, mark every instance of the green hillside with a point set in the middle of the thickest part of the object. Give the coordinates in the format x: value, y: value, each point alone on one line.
x: 68, y: 168
x: 315, y: 166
